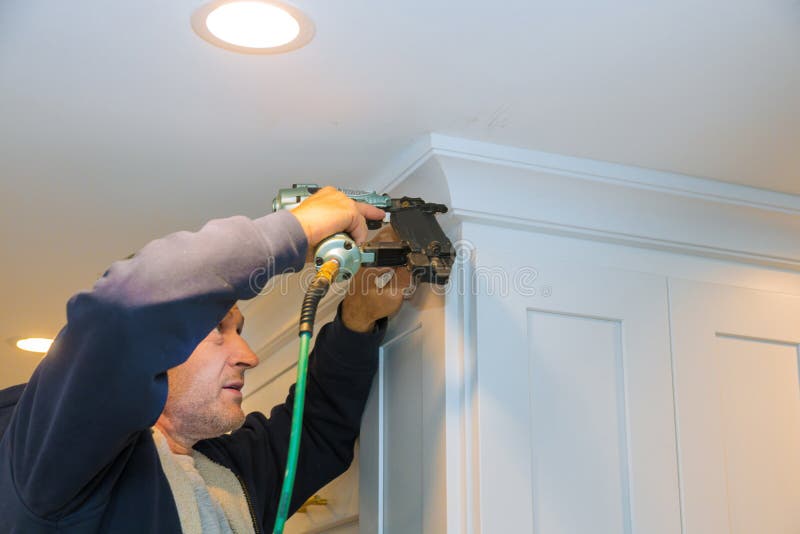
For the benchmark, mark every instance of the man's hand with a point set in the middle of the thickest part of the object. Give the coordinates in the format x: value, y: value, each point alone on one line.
x: 365, y: 302
x: 329, y: 211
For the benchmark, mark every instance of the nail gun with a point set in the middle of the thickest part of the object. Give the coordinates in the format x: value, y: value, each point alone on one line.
x: 423, y: 246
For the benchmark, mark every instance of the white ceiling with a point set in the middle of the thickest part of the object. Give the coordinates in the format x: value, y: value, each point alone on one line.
x: 118, y: 124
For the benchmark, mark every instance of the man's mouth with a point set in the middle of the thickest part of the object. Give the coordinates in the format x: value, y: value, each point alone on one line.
x: 234, y: 386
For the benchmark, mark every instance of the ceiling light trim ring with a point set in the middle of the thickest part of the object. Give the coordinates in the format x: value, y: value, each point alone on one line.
x: 304, y: 36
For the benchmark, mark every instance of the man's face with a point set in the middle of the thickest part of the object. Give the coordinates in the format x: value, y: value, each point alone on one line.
x: 205, y: 398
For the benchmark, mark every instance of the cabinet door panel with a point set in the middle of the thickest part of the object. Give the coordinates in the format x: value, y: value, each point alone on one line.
x: 578, y: 440
x: 738, y: 408
x: 575, y: 398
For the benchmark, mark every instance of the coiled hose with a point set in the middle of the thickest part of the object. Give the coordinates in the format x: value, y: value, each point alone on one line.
x: 318, y: 289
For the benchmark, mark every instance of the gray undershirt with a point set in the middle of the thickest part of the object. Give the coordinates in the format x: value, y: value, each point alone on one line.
x: 212, y: 518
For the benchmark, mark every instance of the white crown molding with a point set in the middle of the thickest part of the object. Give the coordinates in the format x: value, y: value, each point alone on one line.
x: 551, y: 193
x: 639, y: 177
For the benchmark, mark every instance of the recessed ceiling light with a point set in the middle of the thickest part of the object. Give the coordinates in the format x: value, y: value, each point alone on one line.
x: 253, y: 26
x: 34, y: 344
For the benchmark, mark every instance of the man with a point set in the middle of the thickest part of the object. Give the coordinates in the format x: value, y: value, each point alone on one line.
x: 122, y: 426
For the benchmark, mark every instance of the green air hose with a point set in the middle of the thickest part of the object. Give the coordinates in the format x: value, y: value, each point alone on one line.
x: 294, y: 440
x: 319, y: 287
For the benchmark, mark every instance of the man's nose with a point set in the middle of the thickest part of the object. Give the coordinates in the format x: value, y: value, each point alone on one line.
x: 244, y: 355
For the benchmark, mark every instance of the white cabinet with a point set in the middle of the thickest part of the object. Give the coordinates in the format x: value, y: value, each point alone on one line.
x: 575, y: 394
x: 738, y: 407
x: 617, y: 353
x: 605, y: 400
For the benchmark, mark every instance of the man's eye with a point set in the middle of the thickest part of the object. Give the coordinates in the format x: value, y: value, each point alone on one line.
x: 219, y: 328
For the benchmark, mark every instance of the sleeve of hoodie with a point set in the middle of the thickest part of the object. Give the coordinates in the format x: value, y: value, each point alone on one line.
x: 341, y: 368
x: 104, y: 379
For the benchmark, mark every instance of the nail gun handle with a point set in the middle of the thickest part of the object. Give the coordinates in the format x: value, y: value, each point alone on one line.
x: 291, y: 197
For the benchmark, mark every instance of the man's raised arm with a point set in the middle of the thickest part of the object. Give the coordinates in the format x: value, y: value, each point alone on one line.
x: 104, y: 378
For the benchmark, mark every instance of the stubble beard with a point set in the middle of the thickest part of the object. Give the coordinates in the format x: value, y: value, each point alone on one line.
x: 205, y: 420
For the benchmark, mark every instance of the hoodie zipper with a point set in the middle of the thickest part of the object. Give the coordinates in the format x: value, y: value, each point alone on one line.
x: 246, y: 495
x: 249, y: 502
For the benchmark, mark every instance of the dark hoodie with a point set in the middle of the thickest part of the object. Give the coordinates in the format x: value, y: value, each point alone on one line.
x: 76, y: 452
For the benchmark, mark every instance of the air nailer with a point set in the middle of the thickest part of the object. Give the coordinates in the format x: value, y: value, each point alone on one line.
x: 422, y: 247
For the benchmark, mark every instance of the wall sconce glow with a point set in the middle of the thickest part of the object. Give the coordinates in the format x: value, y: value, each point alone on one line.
x: 253, y: 26
x: 35, y: 344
